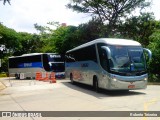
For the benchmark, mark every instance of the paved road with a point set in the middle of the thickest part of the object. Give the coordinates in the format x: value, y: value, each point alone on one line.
x: 29, y: 95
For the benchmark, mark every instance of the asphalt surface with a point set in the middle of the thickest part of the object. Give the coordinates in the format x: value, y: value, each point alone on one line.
x: 31, y: 95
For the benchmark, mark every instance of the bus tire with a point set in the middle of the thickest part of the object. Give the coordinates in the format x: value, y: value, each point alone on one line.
x: 95, y: 84
x: 71, y: 78
x: 17, y: 76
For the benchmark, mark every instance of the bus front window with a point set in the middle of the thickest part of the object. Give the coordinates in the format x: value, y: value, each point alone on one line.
x: 56, y: 62
x: 57, y: 67
x: 126, y: 59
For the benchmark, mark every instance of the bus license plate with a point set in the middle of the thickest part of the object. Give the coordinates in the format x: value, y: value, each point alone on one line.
x: 131, y: 86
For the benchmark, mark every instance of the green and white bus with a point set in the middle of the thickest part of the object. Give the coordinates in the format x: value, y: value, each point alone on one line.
x: 107, y: 63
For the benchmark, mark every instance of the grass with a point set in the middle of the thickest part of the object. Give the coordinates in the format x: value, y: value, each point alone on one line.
x: 3, y: 75
x: 153, y: 83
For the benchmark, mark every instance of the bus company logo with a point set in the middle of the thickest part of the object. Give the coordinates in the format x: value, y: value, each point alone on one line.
x: 55, y: 56
x: 27, y: 64
x: 6, y: 114
x: 84, y: 65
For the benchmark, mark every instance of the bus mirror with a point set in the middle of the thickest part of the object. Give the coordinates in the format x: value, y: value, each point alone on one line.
x: 107, y: 49
x: 149, y: 53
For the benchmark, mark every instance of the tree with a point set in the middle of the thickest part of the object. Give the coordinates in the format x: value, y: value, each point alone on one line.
x: 139, y: 28
x: 45, y: 35
x: 67, y: 37
x: 154, y: 46
x: 40, y: 28
x: 10, y: 38
x: 64, y: 38
x: 110, y: 11
x: 30, y: 43
x: 58, y: 38
x: 90, y: 31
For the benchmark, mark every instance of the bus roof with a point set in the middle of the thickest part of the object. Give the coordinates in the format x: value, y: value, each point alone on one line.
x: 30, y: 54
x: 109, y: 41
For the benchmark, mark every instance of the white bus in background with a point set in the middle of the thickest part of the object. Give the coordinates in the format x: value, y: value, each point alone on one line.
x: 112, y: 64
x: 29, y: 64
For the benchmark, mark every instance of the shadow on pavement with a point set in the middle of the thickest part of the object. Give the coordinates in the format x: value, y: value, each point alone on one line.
x: 102, y: 93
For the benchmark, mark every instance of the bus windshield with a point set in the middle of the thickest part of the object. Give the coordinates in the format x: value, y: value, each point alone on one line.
x: 55, y: 58
x: 56, y: 62
x: 127, y: 59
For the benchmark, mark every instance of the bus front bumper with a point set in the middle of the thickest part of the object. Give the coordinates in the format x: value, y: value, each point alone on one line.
x: 128, y: 83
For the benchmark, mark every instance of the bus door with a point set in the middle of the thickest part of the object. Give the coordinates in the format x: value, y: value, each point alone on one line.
x: 104, y: 63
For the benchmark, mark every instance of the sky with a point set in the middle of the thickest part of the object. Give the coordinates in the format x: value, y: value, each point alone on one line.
x: 21, y: 15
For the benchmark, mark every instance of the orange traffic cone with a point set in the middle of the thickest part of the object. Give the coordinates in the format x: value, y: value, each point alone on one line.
x: 52, y: 78
x: 38, y: 75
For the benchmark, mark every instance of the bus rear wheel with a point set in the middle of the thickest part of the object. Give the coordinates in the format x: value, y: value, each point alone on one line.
x: 71, y: 78
x: 95, y: 84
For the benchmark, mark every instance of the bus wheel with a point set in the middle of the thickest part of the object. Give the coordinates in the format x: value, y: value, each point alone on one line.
x: 95, y: 84
x: 71, y: 78
x: 17, y: 76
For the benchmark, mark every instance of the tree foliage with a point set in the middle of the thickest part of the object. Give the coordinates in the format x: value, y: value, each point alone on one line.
x: 64, y: 38
x: 30, y: 43
x: 110, y: 11
x: 6, y: 1
x: 139, y: 28
x: 155, y: 48
x: 67, y: 37
x: 90, y: 31
x: 10, y: 38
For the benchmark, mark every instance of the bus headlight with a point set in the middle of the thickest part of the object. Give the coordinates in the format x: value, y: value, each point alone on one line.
x: 114, y: 79
x: 145, y: 79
